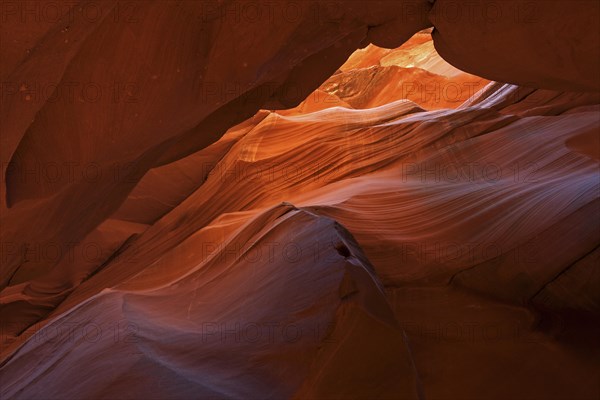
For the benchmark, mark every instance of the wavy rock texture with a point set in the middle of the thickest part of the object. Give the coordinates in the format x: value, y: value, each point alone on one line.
x: 392, y: 235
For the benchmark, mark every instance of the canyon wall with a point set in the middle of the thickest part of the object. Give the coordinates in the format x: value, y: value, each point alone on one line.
x: 228, y: 196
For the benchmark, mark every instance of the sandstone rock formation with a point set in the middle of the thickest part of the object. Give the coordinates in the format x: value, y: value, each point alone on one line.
x: 226, y: 200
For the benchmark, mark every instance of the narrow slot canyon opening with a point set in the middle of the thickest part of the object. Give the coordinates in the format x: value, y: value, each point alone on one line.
x: 407, y: 231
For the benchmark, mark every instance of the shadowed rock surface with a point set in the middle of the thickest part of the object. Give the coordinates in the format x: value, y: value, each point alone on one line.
x: 202, y: 202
